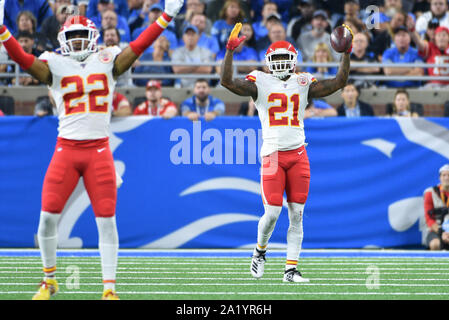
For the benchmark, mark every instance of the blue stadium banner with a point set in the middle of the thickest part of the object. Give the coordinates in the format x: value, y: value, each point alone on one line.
x: 196, y: 185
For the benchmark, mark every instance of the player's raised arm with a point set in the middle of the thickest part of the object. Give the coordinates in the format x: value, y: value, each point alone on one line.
x: 130, y: 54
x: 325, y: 88
x: 238, y: 86
x: 26, y: 61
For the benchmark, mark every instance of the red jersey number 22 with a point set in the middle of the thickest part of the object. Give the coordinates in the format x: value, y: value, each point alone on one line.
x: 79, y: 92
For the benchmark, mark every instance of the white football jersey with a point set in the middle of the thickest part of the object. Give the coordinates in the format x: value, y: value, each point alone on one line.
x: 83, y: 93
x: 281, y: 105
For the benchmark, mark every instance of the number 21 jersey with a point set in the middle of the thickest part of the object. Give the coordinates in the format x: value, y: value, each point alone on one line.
x: 83, y: 93
x: 281, y: 105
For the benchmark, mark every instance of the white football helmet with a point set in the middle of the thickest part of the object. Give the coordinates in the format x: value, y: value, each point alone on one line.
x: 77, y: 25
x: 281, y: 67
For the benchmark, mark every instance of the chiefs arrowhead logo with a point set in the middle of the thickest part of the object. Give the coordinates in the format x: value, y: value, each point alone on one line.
x: 105, y: 56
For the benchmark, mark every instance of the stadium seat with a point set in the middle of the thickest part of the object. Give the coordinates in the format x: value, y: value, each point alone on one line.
x: 7, y: 105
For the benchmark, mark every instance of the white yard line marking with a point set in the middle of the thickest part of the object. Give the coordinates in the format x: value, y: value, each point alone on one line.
x: 254, y: 283
x: 245, y: 293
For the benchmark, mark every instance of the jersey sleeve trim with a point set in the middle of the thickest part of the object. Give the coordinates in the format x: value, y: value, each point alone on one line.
x: 251, y: 78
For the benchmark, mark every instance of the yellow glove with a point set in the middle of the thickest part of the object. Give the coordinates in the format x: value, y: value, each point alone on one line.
x: 234, y: 40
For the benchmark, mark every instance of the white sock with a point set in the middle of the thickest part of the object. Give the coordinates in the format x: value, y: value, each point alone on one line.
x: 294, y: 234
x: 108, y: 246
x: 47, y: 237
x: 266, y: 225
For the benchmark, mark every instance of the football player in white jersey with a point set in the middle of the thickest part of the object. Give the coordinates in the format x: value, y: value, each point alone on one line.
x: 82, y: 80
x: 281, y: 97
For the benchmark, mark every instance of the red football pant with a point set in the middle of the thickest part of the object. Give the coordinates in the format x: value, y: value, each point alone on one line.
x: 287, y: 171
x: 90, y: 159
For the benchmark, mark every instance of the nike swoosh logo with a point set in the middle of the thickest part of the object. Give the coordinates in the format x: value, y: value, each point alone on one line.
x: 59, y: 149
x: 300, y: 152
x: 101, y: 150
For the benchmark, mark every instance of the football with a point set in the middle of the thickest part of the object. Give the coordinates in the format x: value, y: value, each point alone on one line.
x: 341, y: 39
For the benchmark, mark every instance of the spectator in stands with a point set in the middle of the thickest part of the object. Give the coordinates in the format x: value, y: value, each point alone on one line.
x: 420, y: 6
x: 26, y: 41
x: 118, y: 21
x: 156, y: 105
x: 248, y: 32
x: 302, y: 22
x: 80, y: 5
x: 120, y: 105
x: 319, y: 109
x: 155, y: 12
x: 230, y: 14
x: 402, y: 53
x: 139, y: 17
x: 307, y: 41
x: 111, y: 37
x: 429, y: 36
x: 215, y: 7
x: 193, y: 7
x: 352, y: 12
x: 436, y: 52
x: 207, y: 41
x: 39, y: 8
x: 322, y: 54
x: 439, y: 10
x: 390, y: 8
x: 202, y: 104
x: 109, y: 18
x: 45, y: 106
x: 135, y: 8
x: 242, y: 53
x: 384, y: 40
x: 248, y: 109
x: 401, y: 106
x: 352, y: 106
x: 160, y: 52
x: 283, y: 7
x: 269, y: 10
x: 435, y: 212
x: 1, y: 113
x: 361, y: 55
x: 52, y: 25
x: 26, y: 22
x: 275, y: 33
x: 95, y: 7
x: 192, y: 53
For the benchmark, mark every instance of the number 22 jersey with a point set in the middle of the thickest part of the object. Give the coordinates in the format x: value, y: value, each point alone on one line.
x: 281, y: 105
x: 83, y: 93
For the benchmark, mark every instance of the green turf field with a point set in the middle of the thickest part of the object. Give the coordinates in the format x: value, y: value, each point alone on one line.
x: 220, y: 278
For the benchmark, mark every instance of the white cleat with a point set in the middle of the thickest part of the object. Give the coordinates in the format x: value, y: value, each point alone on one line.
x: 293, y: 275
x: 257, y: 265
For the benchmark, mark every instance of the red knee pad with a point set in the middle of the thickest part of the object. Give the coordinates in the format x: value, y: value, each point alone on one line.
x: 297, y: 197
x: 52, y: 202
x: 104, y: 208
x: 273, y: 199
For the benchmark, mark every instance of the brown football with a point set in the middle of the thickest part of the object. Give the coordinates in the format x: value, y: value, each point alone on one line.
x: 341, y: 39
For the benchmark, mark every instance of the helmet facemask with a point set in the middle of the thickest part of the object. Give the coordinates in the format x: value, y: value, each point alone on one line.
x: 281, y: 62
x: 78, y: 43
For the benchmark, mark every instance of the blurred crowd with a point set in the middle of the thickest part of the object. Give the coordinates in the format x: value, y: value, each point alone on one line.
x: 387, y: 31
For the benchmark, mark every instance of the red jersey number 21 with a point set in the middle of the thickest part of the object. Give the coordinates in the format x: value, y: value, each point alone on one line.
x: 275, y: 112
